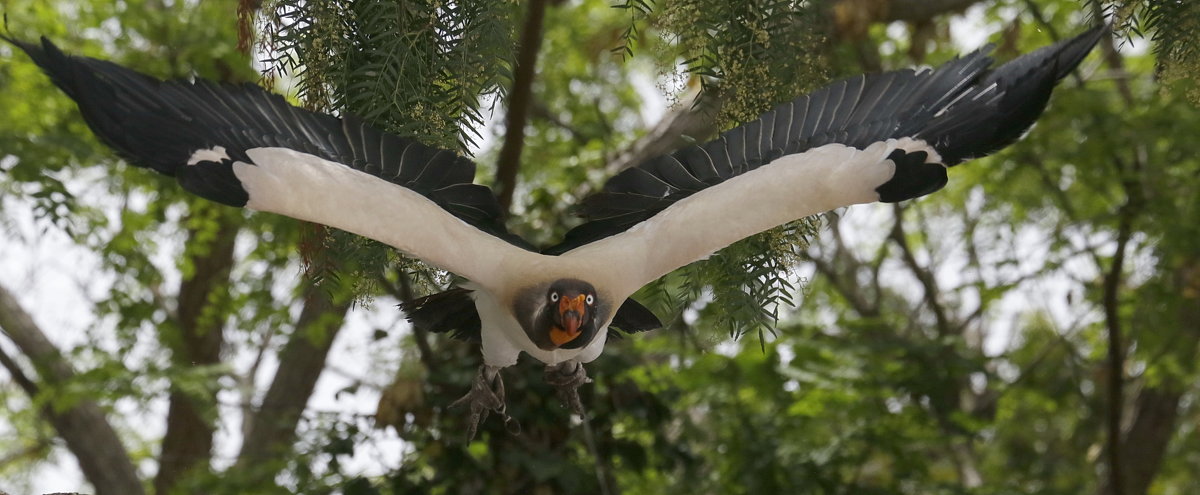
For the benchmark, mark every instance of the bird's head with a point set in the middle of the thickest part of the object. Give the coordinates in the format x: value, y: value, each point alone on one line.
x: 568, y: 317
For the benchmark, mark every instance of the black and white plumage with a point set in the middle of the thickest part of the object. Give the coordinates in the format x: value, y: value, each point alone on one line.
x: 881, y: 137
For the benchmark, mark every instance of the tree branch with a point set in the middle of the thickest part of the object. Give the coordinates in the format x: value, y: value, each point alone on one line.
x: 684, y: 125
x: 519, y: 98
x: 32, y: 452
x: 1116, y: 355
x: 18, y: 375
x: 101, y: 455
x: 841, y: 270
x: 1131, y: 183
x: 273, y: 427
x: 923, y: 275
x: 1156, y: 409
x: 1145, y: 443
x: 188, y: 441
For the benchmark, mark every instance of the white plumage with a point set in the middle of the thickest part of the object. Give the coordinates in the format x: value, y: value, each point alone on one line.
x: 310, y: 188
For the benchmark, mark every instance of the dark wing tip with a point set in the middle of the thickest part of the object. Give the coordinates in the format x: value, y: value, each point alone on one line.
x: 1075, y: 49
x: 162, y: 124
x: 30, y: 47
x: 913, y: 177
x: 1004, y: 103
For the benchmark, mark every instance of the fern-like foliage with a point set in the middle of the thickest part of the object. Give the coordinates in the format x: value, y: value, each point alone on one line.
x: 1173, y: 27
x: 414, y: 68
x: 638, y: 11
x: 752, y: 55
x: 750, y: 280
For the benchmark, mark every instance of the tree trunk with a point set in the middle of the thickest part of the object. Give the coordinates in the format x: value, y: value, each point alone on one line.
x: 1156, y: 408
x: 187, y: 443
x: 273, y: 426
x: 519, y: 99
x: 83, y: 425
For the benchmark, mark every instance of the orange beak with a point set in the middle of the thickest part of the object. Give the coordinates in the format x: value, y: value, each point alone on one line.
x: 570, y: 314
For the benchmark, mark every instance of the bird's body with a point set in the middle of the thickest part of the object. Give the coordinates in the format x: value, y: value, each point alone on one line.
x: 883, y: 137
x: 502, y: 348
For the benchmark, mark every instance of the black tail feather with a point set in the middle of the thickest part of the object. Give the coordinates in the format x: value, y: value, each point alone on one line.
x: 452, y: 311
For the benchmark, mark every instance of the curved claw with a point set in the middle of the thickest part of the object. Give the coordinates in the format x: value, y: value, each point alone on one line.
x: 487, y: 394
x: 567, y: 377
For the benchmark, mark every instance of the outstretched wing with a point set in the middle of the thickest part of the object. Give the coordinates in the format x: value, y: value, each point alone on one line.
x: 243, y: 146
x: 883, y: 137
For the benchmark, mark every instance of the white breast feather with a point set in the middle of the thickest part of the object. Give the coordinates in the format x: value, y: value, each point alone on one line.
x: 503, y: 339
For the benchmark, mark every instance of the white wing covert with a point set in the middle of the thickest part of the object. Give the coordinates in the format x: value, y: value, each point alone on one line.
x: 880, y: 137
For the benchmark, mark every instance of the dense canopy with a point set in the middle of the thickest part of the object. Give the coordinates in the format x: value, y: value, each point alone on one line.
x: 1025, y: 330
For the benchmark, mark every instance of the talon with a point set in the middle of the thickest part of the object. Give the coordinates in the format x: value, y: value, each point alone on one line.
x: 512, y: 425
x: 567, y: 377
x: 487, y: 394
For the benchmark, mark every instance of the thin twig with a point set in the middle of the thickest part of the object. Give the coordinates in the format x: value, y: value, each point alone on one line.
x: 1112, y: 284
x: 590, y: 439
x: 1130, y: 181
x: 1112, y: 316
x: 923, y: 275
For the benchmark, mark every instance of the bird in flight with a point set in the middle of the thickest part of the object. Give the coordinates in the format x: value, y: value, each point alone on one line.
x: 877, y: 137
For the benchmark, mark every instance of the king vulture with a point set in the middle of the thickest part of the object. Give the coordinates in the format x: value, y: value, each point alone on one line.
x: 879, y: 137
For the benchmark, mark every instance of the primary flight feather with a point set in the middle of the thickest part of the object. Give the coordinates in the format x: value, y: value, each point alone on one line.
x: 878, y: 137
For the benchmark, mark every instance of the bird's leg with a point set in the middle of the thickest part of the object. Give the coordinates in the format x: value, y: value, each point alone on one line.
x: 566, y: 377
x: 487, y: 394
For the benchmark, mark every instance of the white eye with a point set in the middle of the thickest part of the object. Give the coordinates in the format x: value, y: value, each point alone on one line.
x: 590, y: 299
x: 553, y: 297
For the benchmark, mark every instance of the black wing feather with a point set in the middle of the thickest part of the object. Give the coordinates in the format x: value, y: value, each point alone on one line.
x: 161, y: 124
x: 961, y: 109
